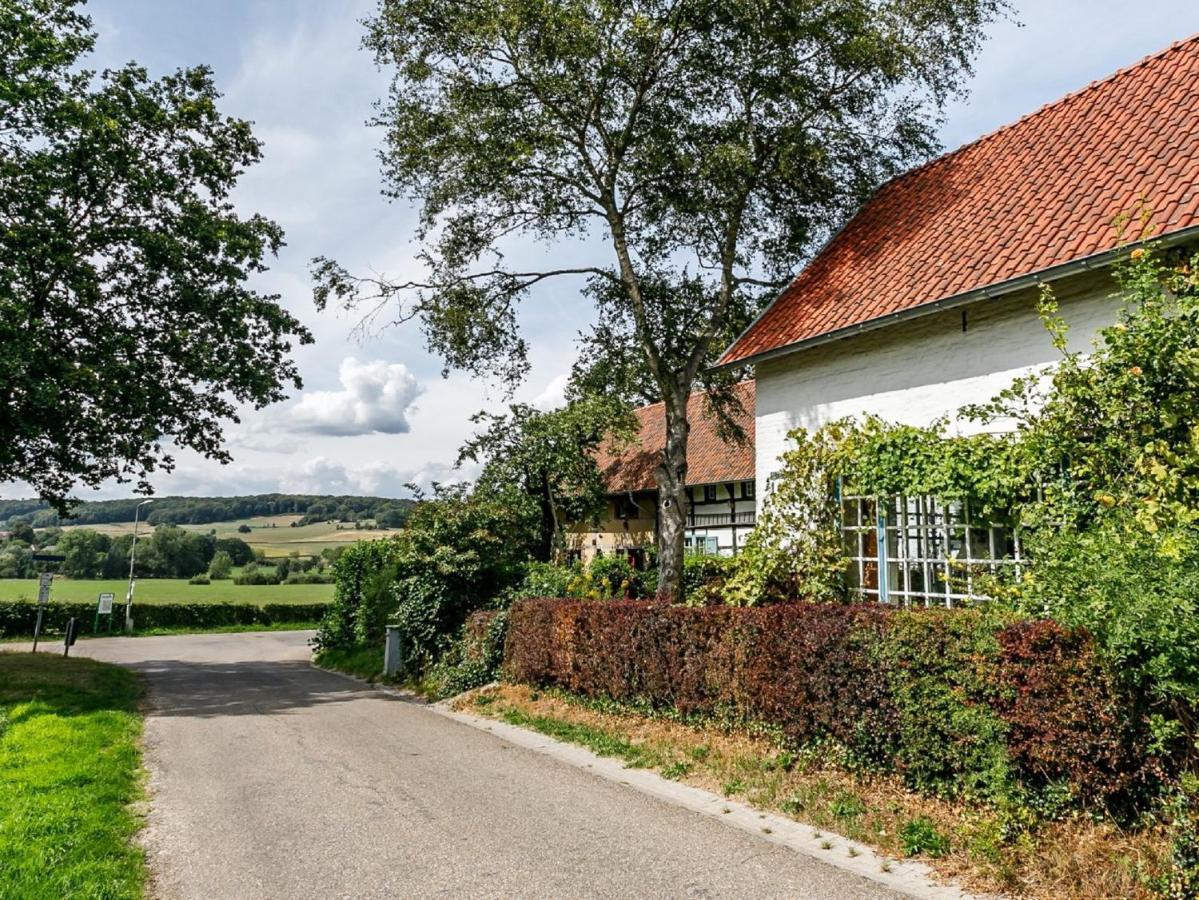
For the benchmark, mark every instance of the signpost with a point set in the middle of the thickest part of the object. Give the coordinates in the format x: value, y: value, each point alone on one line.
x: 69, y: 638
x: 103, y: 608
x: 43, y: 597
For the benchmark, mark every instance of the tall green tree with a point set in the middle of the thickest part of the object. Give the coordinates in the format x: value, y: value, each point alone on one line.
x: 709, y: 142
x: 546, y: 462
x: 125, y: 316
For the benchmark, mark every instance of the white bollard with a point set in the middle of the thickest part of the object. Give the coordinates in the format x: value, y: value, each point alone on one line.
x: 391, y: 652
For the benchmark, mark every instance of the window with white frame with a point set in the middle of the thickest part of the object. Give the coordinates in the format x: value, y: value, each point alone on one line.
x: 922, y: 550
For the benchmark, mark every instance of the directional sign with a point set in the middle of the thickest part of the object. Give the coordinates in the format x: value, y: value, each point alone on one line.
x: 43, y: 588
x: 105, y: 606
x: 47, y: 557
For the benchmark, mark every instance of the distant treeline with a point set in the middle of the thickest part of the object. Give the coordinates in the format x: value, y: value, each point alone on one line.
x: 390, y: 513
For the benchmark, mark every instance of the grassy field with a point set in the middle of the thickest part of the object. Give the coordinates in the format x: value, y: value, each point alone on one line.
x: 168, y: 590
x: 70, y: 768
x: 273, y: 535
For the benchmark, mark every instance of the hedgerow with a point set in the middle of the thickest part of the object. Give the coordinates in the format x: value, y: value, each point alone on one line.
x: 968, y: 704
x: 17, y: 619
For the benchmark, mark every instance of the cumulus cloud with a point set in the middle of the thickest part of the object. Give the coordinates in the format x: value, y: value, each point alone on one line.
x: 553, y: 395
x: 375, y: 398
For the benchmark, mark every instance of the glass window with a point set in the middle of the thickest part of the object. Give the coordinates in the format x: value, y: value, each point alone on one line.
x: 931, y: 551
x: 709, y: 493
x: 747, y: 490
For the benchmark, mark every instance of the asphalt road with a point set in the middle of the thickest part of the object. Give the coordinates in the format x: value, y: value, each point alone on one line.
x: 270, y: 779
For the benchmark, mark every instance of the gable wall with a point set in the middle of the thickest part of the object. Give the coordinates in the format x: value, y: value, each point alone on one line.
x: 916, y: 371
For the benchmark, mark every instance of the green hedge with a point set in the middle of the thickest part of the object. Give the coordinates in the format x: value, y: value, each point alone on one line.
x: 17, y: 619
x: 962, y: 703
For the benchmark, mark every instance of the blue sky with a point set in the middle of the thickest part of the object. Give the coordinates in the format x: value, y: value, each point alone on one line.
x: 375, y: 412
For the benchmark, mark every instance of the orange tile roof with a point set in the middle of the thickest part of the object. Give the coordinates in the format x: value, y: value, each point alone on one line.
x: 710, y: 460
x: 1039, y: 193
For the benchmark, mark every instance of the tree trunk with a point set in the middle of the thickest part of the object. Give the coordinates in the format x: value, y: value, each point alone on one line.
x: 671, y: 476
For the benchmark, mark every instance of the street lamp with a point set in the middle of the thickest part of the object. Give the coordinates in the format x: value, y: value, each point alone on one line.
x: 132, y: 555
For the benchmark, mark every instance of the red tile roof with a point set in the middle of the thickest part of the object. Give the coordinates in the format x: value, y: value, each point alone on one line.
x: 1039, y: 193
x: 710, y: 460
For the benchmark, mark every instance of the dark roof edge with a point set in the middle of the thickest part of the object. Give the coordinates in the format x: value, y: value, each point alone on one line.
x: 1041, y: 276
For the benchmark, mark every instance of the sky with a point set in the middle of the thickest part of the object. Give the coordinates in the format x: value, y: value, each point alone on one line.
x: 375, y: 412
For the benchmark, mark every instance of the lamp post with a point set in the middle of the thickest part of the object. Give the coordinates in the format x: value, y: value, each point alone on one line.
x: 132, y: 555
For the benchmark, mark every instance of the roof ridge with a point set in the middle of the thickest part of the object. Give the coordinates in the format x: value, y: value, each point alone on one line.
x: 1044, y: 108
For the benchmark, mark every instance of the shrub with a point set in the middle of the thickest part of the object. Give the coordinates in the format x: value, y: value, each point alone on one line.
x: 956, y: 702
x: 221, y: 566
x: 920, y: 837
x: 199, y: 579
x: 17, y: 619
x: 545, y: 580
x: 1068, y: 721
x: 476, y: 657
x: 704, y: 578
x: 255, y: 574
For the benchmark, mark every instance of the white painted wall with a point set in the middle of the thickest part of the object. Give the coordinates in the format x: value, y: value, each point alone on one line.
x: 915, y: 372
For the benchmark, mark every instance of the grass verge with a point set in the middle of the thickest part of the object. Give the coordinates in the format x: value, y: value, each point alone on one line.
x: 70, y: 770
x: 361, y: 662
x: 1070, y: 859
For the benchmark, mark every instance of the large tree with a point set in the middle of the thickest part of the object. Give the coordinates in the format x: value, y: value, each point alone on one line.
x: 710, y: 142
x: 126, y: 322
x: 544, y: 462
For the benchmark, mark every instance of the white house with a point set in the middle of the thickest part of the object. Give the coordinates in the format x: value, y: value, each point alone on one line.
x: 926, y: 299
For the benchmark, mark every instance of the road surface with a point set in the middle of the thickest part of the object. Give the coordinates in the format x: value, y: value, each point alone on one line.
x: 271, y: 779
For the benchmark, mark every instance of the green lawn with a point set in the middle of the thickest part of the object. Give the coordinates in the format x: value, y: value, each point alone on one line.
x: 168, y: 590
x: 70, y: 766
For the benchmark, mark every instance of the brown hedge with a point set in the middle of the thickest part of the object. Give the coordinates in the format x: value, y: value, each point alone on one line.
x: 958, y: 702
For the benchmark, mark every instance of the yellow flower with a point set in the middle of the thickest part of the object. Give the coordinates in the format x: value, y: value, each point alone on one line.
x: 1135, y: 370
x: 1138, y: 253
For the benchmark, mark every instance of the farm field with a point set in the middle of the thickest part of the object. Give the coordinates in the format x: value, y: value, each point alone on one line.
x: 273, y: 535
x: 167, y: 590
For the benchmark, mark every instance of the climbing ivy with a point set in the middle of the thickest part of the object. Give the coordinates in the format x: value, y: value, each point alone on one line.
x: 1104, y: 441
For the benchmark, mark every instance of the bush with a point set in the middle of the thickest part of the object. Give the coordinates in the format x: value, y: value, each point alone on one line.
x: 704, y: 578
x: 17, y: 618
x: 221, y: 566
x: 308, y: 578
x: 476, y: 658
x: 546, y: 580
x: 956, y: 702
x: 199, y: 579
x: 255, y: 574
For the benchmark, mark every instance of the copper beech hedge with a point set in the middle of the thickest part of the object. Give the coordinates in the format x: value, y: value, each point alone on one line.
x: 959, y: 702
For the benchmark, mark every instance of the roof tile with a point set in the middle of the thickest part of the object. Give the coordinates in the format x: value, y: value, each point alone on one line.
x: 1038, y: 193
x: 710, y: 459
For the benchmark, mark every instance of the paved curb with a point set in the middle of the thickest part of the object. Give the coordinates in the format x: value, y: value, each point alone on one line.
x: 910, y: 878
x: 905, y: 877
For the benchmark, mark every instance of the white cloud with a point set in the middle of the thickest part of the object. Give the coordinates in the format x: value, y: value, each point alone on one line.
x: 553, y: 395
x: 375, y: 397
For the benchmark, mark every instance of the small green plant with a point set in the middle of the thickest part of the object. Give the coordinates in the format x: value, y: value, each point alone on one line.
x: 846, y: 806
x: 733, y: 786
x: 676, y: 770
x: 700, y: 753
x: 826, y: 845
x: 793, y: 805
x: 920, y: 837
x: 854, y: 851
x: 885, y: 865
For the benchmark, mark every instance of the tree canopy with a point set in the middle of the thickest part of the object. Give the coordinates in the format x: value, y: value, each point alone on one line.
x: 127, y: 323
x: 544, y: 463
x: 710, y: 143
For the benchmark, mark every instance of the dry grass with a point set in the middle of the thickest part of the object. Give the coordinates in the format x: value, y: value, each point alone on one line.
x: 1074, y: 859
